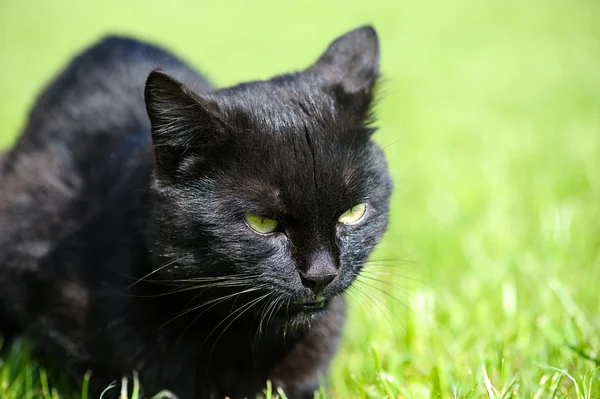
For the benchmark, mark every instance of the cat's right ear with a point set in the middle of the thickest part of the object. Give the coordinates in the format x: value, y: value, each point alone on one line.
x: 181, y: 120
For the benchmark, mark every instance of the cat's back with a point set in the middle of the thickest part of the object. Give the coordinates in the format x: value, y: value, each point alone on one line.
x: 101, y: 91
x: 85, y: 136
x: 91, y: 119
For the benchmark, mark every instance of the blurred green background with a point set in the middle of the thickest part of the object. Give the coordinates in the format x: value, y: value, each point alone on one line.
x: 490, y: 119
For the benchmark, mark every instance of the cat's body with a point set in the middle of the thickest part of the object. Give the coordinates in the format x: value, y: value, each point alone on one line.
x: 102, y: 222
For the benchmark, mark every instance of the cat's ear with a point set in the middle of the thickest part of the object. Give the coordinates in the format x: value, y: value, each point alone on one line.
x: 351, y: 63
x: 180, y: 120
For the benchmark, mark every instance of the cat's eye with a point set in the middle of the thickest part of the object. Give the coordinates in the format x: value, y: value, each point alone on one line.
x: 353, y: 215
x: 260, y: 224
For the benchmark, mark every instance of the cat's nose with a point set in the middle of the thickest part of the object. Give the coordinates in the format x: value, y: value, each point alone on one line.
x: 321, y: 271
x: 317, y: 282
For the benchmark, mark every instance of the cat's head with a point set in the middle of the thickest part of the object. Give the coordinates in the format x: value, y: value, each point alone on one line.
x: 272, y: 185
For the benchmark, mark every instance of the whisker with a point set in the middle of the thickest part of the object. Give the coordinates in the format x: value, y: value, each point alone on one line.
x: 270, y: 305
x: 192, y: 288
x: 392, y: 259
x: 355, y: 297
x: 167, y: 264
x: 366, y: 269
x: 359, y: 295
x: 244, y: 283
x: 261, y: 314
x: 137, y: 278
x: 198, y: 316
x: 233, y: 277
x: 255, y: 279
x: 287, y: 303
x: 381, y: 273
x: 275, y: 309
x: 214, y: 302
x: 389, y: 262
x: 241, y: 308
x: 376, y: 298
x: 381, y: 290
x: 235, y: 318
x: 387, y: 283
x: 372, y: 299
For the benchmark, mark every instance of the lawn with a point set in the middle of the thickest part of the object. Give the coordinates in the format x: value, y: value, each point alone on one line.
x: 490, y: 119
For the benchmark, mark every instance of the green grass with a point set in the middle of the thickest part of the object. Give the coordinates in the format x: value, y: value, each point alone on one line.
x: 491, y: 122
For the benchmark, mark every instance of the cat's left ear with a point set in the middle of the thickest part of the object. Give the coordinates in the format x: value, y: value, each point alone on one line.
x: 350, y: 65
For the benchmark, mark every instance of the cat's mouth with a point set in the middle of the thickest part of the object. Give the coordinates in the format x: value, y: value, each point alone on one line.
x: 312, y: 306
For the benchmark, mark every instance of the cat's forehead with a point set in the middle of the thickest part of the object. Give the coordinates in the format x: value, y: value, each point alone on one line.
x: 301, y: 168
x: 286, y: 102
x: 293, y: 124
x: 291, y: 146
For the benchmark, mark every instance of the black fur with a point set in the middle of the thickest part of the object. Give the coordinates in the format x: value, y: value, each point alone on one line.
x: 123, y: 244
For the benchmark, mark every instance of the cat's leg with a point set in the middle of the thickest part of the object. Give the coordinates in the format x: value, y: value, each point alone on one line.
x: 8, y: 327
x: 33, y: 197
x: 301, y: 369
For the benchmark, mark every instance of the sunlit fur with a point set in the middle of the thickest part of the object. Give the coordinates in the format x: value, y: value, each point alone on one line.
x: 124, y: 244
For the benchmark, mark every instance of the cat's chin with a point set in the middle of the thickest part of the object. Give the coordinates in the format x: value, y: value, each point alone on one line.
x: 299, y: 316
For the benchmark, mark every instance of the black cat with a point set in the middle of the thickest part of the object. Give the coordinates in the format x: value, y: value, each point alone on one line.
x: 200, y: 237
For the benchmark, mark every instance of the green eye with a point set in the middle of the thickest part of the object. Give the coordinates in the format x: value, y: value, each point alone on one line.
x: 353, y: 215
x: 260, y: 224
